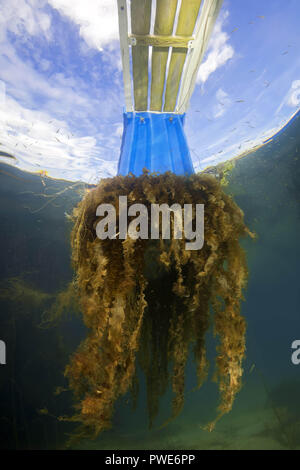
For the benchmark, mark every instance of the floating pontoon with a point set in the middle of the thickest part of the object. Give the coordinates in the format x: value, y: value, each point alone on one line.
x: 162, y: 45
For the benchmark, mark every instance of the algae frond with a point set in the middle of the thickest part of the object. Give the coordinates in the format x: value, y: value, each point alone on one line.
x: 124, y: 315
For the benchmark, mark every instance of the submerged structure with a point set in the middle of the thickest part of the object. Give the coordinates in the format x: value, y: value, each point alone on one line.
x: 149, y: 301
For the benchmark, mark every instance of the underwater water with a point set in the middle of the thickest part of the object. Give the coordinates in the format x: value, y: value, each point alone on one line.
x: 41, y: 329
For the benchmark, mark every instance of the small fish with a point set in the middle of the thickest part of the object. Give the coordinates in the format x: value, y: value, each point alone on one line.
x: 68, y: 216
x: 234, y: 30
x: 240, y: 101
x: 285, y: 53
x: 261, y: 17
x: 59, y: 390
x: 249, y: 124
x: 252, y: 368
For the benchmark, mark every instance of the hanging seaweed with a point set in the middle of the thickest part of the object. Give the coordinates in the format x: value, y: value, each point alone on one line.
x: 118, y: 282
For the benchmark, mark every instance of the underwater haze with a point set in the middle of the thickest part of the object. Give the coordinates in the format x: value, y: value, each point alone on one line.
x: 41, y: 324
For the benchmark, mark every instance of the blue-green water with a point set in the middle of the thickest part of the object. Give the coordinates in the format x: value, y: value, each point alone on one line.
x: 35, y: 266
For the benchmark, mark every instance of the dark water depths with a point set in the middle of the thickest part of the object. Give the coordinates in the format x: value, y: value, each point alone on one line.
x: 35, y: 266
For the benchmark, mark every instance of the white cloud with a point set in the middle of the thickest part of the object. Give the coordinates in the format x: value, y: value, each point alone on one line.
x: 119, y: 130
x: 24, y: 16
x: 24, y: 83
x: 2, y: 94
x: 45, y: 65
x: 40, y: 141
x: 223, y: 103
x: 51, y: 120
x: 293, y: 99
x: 219, y: 51
x: 97, y: 19
x: 46, y: 137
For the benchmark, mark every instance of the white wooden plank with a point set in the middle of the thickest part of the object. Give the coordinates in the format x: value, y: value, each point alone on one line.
x: 163, y: 28
x: 123, y: 31
x: 140, y: 25
x: 186, y: 23
x: 208, y: 16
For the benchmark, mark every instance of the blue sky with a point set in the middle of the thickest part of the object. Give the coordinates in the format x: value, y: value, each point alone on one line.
x: 61, y: 90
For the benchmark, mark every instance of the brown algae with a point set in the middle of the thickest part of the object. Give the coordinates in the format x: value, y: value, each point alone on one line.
x: 117, y: 280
